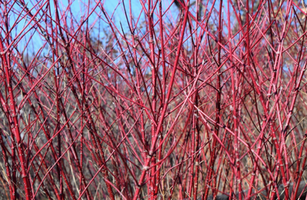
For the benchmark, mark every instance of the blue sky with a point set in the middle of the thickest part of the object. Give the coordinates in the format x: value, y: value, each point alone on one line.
x: 79, y: 11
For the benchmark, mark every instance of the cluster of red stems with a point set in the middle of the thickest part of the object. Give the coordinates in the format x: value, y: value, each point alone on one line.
x: 153, y: 99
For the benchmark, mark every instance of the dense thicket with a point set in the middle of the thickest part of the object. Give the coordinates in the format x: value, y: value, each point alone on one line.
x: 152, y: 99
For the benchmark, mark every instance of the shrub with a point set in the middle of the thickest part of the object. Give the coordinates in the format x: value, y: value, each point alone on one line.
x: 152, y: 100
